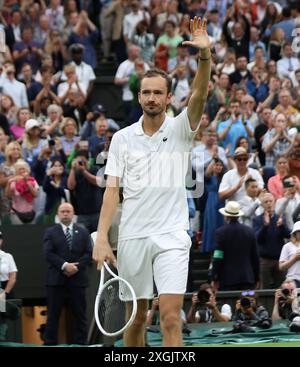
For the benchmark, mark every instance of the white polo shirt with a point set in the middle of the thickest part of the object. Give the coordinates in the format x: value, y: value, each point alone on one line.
x: 152, y: 171
x: 7, y: 266
x: 232, y: 178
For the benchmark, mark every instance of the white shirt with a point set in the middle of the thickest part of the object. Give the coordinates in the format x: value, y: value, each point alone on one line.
x: 7, y: 266
x: 84, y: 73
x: 64, y: 87
x: 225, y: 311
x: 232, y: 178
x: 152, y: 171
x: 125, y: 69
x: 250, y: 207
x: 64, y: 228
x: 131, y: 20
x: 16, y: 90
x: 284, y: 64
x: 288, y: 251
x: 287, y: 207
x: 181, y: 91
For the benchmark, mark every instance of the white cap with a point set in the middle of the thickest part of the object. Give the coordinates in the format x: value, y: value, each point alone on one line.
x: 296, y: 227
x: 31, y: 123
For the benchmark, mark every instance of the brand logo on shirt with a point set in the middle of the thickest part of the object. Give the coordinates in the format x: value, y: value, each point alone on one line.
x: 165, y: 139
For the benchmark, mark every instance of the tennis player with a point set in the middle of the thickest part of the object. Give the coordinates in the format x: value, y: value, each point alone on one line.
x: 153, y: 242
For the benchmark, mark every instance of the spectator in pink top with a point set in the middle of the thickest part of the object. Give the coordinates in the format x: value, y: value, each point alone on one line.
x: 275, y: 185
x: 22, y: 189
x: 18, y: 129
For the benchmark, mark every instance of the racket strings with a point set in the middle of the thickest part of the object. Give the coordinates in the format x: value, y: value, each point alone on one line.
x: 112, y: 309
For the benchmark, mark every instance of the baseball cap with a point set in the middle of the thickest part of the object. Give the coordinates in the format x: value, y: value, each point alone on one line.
x: 31, y: 123
x: 99, y: 108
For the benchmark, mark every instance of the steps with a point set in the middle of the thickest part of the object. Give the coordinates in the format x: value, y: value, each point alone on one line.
x: 198, y: 271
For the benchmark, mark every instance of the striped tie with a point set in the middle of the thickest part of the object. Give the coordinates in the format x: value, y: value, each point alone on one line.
x: 69, y: 238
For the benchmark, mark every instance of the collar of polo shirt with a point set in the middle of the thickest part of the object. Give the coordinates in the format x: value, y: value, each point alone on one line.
x: 139, y: 127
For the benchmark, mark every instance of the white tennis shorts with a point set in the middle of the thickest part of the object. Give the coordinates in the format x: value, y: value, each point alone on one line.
x: 163, y: 257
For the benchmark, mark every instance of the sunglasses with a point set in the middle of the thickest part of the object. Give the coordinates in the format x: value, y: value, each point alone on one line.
x: 246, y: 102
x: 242, y: 159
x: 248, y: 293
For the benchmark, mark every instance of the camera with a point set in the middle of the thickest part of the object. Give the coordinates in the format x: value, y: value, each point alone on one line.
x: 203, y: 297
x: 245, y: 303
x: 51, y: 142
x: 285, y: 293
x: 81, y: 163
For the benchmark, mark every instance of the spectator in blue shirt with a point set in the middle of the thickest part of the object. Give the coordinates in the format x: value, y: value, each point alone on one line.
x: 237, y: 125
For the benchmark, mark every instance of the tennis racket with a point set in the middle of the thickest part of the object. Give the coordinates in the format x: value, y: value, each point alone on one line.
x: 110, y: 303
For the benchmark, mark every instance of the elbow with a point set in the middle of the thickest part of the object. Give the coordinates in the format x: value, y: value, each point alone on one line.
x: 222, y: 196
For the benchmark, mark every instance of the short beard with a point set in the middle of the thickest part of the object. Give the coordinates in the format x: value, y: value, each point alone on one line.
x: 152, y: 114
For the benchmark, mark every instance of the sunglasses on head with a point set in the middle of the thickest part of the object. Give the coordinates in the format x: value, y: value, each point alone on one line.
x: 248, y: 293
x: 245, y: 159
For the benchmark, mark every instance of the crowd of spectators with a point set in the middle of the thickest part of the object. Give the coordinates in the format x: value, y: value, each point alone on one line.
x: 51, y: 136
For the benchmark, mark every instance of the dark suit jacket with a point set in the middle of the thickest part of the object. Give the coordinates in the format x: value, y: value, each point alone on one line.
x: 57, y: 253
x: 240, y: 262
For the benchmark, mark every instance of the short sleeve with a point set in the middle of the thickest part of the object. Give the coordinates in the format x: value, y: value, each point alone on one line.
x: 284, y: 256
x: 115, y: 162
x: 12, y: 268
x: 224, y: 185
x: 182, y: 126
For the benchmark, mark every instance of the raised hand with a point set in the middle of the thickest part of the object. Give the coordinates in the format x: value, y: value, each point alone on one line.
x: 199, y: 34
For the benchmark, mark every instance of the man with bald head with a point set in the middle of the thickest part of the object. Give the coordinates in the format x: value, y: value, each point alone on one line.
x: 67, y: 250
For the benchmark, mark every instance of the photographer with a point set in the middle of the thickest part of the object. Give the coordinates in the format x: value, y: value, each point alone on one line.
x: 83, y: 183
x: 204, y: 307
x: 284, y: 300
x: 249, y: 313
x: 89, y: 127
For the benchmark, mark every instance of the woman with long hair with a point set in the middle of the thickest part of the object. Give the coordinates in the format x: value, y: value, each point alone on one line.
x: 8, y: 108
x: 13, y: 152
x: 275, y: 185
x: 270, y: 18
x: 56, y: 49
x: 18, y: 129
x: 212, y: 218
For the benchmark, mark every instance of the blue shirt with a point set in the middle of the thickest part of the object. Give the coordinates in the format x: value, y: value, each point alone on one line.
x: 237, y: 130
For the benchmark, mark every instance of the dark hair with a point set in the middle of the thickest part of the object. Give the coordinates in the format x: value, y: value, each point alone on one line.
x: 158, y: 72
x: 170, y: 22
x: 46, y: 68
x: 286, y: 43
x: 249, y: 181
x: 238, y: 142
x: 57, y: 160
x: 258, y: 48
x: 286, y: 12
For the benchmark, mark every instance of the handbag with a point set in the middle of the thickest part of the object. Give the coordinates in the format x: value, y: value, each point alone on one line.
x: 25, y: 217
